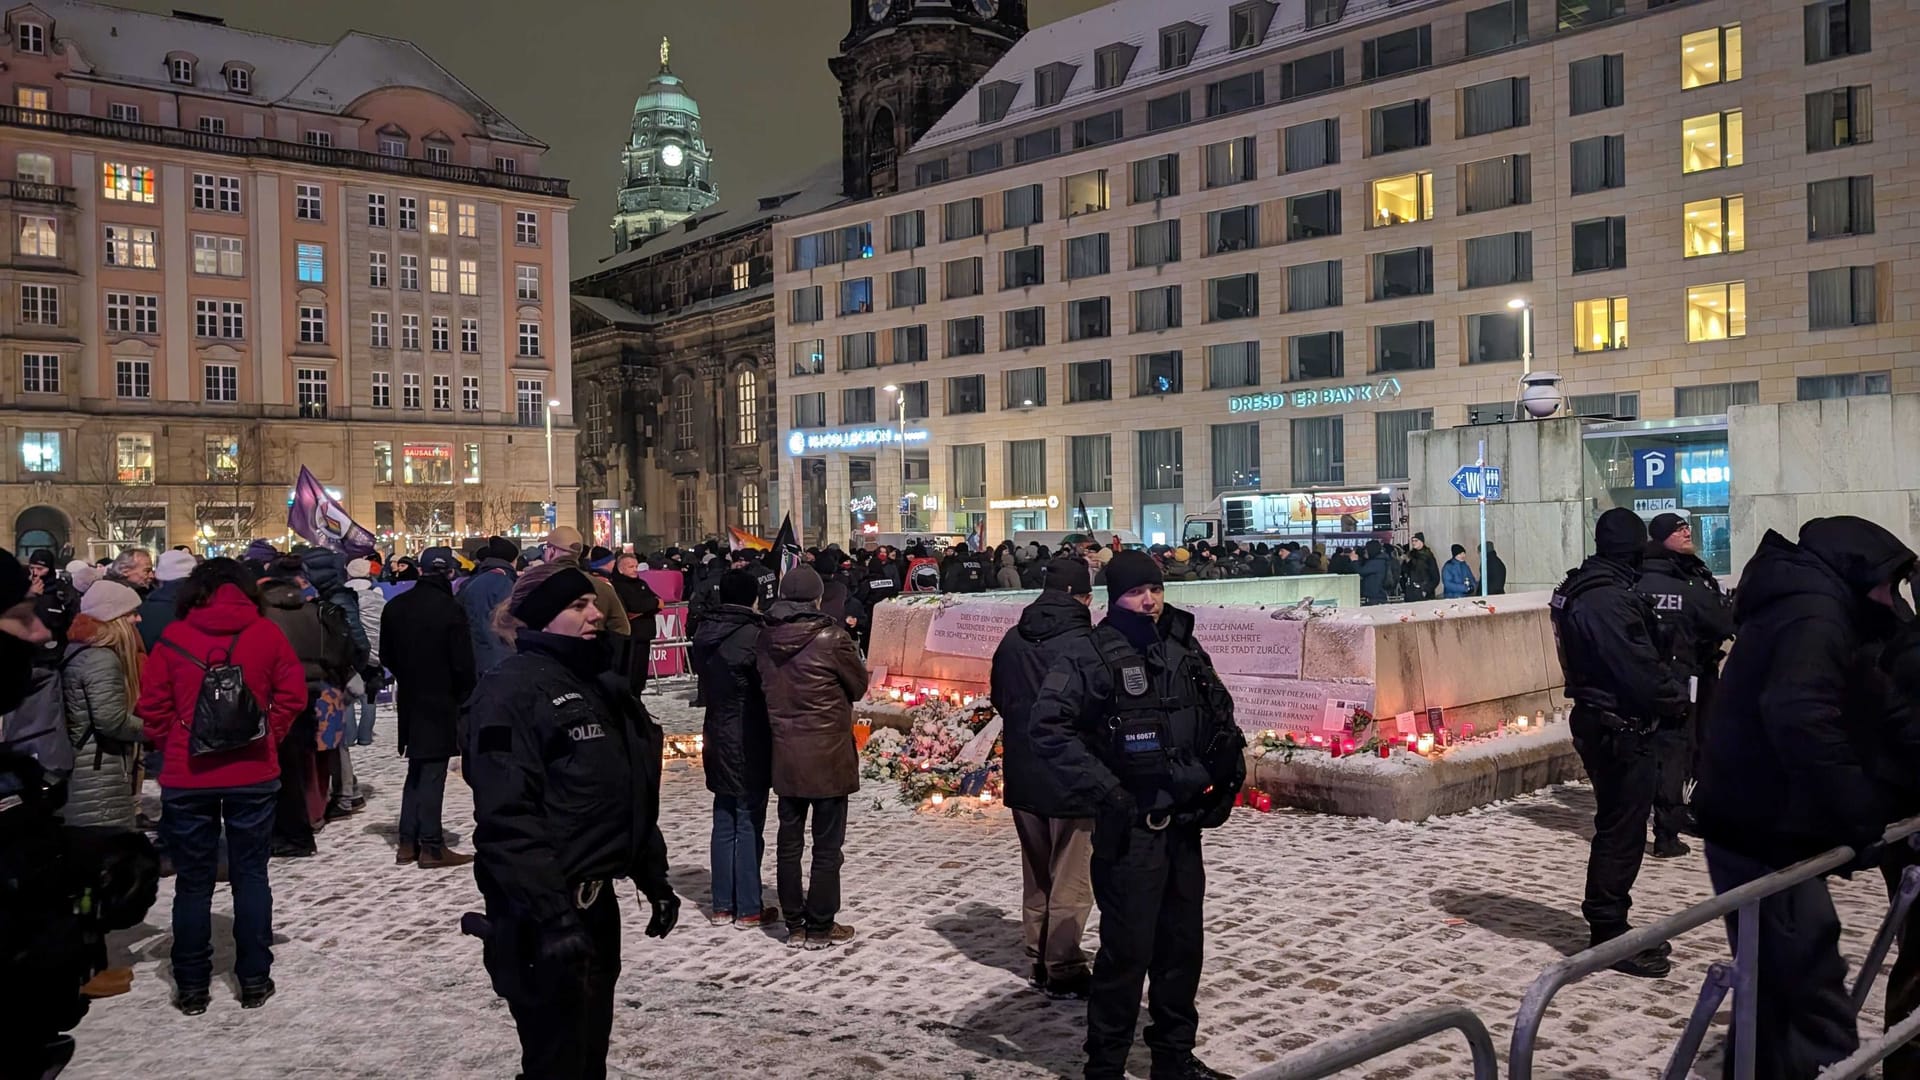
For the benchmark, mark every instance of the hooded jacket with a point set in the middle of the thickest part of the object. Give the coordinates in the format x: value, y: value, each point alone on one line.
x: 811, y: 674
x: 373, y: 604
x: 104, y: 731
x: 426, y: 643
x: 1019, y: 666
x: 738, y: 747
x: 492, y: 580
x: 1805, y: 747
x: 1008, y: 576
x: 327, y: 574
x: 1423, y: 574
x: 325, y: 649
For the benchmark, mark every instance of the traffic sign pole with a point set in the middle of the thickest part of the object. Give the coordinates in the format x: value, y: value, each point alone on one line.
x: 1482, y: 465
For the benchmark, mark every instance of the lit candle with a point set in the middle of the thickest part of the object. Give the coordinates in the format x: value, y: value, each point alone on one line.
x: 1318, y: 740
x: 1412, y: 739
x: 1520, y: 721
x: 1425, y: 745
x: 1386, y: 749
x: 938, y: 798
x: 1333, y: 748
x: 1466, y: 731
x: 1263, y: 802
x: 893, y: 692
x: 966, y: 699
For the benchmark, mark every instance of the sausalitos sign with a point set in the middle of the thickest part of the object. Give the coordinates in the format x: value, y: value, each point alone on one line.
x: 1352, y: 394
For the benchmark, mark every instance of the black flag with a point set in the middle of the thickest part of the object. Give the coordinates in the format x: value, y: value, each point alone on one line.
x: 1082, y: 520
x: 786, y: 546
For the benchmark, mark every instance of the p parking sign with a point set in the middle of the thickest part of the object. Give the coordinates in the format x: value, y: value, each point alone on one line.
x: 1653, y: 469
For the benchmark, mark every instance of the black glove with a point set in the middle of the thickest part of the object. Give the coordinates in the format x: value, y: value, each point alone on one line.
x: 564, y: 944
x: 666, y: 914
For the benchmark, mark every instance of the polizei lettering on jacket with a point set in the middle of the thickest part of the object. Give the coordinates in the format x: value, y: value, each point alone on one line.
x: 585, y: 732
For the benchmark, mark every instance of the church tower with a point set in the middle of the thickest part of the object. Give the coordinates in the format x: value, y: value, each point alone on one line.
x: 666, y: 167
x: 902, y: 66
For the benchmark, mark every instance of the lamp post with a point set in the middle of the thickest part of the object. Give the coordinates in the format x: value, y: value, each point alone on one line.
x: 900, y: 412
x: 1525, y: 308
x: 553, y: 500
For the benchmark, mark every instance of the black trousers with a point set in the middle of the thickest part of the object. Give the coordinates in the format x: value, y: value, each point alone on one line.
x: 1624, y: 770
x: 1903, y: 981
x: 291, y: 825
x: 1805, y: 1020
x: 813, y: 906
x: 564, y: 1012
x: 1673, y: 750
x: 1149, y: 887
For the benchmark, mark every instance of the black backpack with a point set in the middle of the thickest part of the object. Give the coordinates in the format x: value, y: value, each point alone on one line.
x: 226, y: 716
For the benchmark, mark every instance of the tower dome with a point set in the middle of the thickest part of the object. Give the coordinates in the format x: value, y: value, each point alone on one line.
x: 666, y: 166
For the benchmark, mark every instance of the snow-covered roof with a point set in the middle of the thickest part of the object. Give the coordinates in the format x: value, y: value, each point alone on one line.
x: 1075, y: 41
x: 612, y: 311
x: 815, y: 191
x: 131, y: 47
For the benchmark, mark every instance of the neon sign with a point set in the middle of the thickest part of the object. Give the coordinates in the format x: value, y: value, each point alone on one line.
x: 1351, y: 394
x: 809, y: 442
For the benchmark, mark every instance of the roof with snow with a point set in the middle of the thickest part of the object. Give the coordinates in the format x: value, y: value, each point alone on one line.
x: 1075, y: 41
x: 131, y: 48
x: 611, y: 311
x: 817, y: 190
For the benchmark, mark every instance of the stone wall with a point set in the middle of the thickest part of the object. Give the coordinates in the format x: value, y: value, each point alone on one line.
x: 1539, y: 526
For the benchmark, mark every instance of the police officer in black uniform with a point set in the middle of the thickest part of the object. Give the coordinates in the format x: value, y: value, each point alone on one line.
x: 1699, y: 620
x: 1132, y: 718
x: 565, y: 769
x: 1620, y: 676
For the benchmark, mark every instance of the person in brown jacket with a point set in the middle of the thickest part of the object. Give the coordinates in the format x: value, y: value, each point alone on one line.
x: 812, y: 674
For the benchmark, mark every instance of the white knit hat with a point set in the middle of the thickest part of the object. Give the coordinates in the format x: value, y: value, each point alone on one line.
x: 108, y: 600
x: 83, y: 574
x: 359, y: 568
x: 174, y: 564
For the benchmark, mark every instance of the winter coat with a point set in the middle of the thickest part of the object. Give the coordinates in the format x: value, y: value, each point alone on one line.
x: 170, y: 688
x: 1496, y: 573
x: 811, y: 674
x: 839, y: 602
x: 1019, y: 665
x: 880, y: 581
x: 373, y: 603
x: 329, y: 579
x: 1422, y: 574
x: 156, y: 611
x: 1376, y: 574
x: 1457, y: 580
x: 320, y: 639
x: 1341, y: 563
x: 106, y: 739
x: 1611, y: 650
x: 1034, y: 575
x: 737, y: 744
x: 962, y: 575
x: 1698, y: 617
x: 564, y: 764
x: 492, y: 580
x: 1809, y: 743
x: 643, y: 610
x: 426, y: 643
x: 1009, y: 575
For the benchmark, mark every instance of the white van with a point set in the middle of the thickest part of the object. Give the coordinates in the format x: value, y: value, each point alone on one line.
x: 1051, y: 539
x: 941, y: 542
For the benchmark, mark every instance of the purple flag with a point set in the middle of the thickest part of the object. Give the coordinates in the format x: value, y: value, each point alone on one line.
x: 319, y: 519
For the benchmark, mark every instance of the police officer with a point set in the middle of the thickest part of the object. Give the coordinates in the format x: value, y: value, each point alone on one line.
x: 1132, y: 719
x: 1699, y: 620
x: 565, y: 769
x: 1623, y: 688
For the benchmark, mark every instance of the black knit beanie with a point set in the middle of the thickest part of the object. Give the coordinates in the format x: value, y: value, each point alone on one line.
x: 551, y: 597
x: 1129, y: 570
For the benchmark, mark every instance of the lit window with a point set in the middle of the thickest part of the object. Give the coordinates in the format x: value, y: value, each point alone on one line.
x: 306, y: 202
x: 1087, y: 193
x: 382, y: 451
x: 437, y: 216
x: 746, y: 388
x: 39, y: 373
x: 436, y: 273
x: 742, y: 276
x: 39, y: 237
x: 1710, y: 56
x: 126, y: 183
x: 312, y: 262
x: 129, y: 246
x: 40, y: 451
x: 30, y: 97
x: 1714, y: 226
x: 1398, y: 200
x: 133, y: 459
x: 526, y: 282
x: 1717, y: 312
x: 1712, y: 141
x: 1600, y: 324
x: 469, y: 220
x: 470, y: 455
x: 30, y: 38
x: 469, y: 277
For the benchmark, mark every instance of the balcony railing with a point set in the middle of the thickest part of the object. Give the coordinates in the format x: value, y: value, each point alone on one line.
x: 28, y: 191
x: 238, y: 146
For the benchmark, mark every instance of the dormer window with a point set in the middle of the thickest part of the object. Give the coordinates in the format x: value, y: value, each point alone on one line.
x: 1177, y: 45
x: 1324, y: 12
x: 1050, y: 84
x: 393, y: 146
x: 30, y: 38
x: 439, y: 152
x: 239, y: 79
x: 995, y: 99
x: 1111, y: 65
x: 1247, y: 23
x: 180, y: 69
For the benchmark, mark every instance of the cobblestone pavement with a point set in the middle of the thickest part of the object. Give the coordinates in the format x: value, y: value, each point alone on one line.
x: 1315, y: 925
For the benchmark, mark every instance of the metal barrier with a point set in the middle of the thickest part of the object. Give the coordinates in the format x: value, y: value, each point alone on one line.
x: 1346, y: 1051
x: 1737, y: 978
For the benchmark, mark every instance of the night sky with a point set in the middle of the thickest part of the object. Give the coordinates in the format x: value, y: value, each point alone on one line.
x: 568, y: 70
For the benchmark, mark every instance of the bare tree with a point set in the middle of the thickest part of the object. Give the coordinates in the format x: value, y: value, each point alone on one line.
x: 100, y: 502
x: 500, y: 509
x: 230, y: 497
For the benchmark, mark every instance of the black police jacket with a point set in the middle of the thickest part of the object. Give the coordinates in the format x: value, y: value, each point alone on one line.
x: 1100, y: 692
x: 1611, y: 648
x: 1809, y: 744
x: 564, y: 764
x: 1019, y: 665
x: 1696, y: 613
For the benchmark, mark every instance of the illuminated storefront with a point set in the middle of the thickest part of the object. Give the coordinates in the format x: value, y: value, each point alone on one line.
x: 1667, y: 466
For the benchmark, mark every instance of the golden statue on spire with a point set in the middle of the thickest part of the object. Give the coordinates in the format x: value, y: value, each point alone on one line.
x: 664, y: 46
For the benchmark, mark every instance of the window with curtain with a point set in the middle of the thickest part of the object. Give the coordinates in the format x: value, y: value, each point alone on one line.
x: 910, y: 344
x: 907, y: 231
x: 1089, y: 318
x: 916, y: 395
x: 810, y: 410
x: 1158, y: 373
x: 1599, y: 163
x: 1313, y: 285
x: 1229, y: 162
x: 1026, y: 388
x: 1595, y: 83
x: 961, y: 219
x: 1496, y: 26
x: 1026, y: 467
x: 966, y: 394
x: 1021, y: 206
x: 1310, y: 145
x: 1841, y: 297
x: 1111, y: 65
x: 1233, y: 229
x: 1391, y: 54
x: 1036, y: 145
x: 1499, y: 260
x: 1312, y: 74
x: 857, y: 352
x: 1842, y: 206
x: 1404, y: 346
x: 1838, y: 28
x: 1236, y: 456
x: 1091, y: 461
x: 1400, y: 126
x: 1090, y: 380
x: 1155, y: 178
x: 1087, y: 256
x: 967, y: 336
x: 1836, y: 118
x: 1313, y: 215
x: 1156, y: 309
x: 1494, y: 337
x: 1713, y: 399
x: 1024, y: 328
x: 1233, y: 365
x: 1390, y: 431
x: 963, y: 278
x: 1407, y: 272
x: 1494, y: 106
x: 1022, y: 268
x: 810, y: 357
x: 908, y: 288
x: 970, y: 471
x: 856, y: 405
x: 1316, y: 356
x: 1156, y: 243
x: 1161, y: 467
x: 1496, y: 183
x: 1247, y: 22
x: 1085, y: 193
x: 1600, y: 324
x: 1859, y: 384
x: 1236, y: 297
x: 1320, y: 450
x: 804, y: 304
x: 1599, y: 244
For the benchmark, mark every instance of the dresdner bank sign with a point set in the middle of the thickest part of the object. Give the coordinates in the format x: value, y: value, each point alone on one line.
x: 816, y: 442
x: 1355, y: 393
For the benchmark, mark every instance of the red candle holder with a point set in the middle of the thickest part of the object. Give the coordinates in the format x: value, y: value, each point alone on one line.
x: 1263, y: 802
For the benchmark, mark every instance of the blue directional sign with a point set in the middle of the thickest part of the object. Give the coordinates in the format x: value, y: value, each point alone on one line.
x: 1477, y: 482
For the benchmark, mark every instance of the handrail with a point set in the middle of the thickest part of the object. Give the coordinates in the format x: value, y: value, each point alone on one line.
x: 1533, y: 1007
x: 1353, y: 1048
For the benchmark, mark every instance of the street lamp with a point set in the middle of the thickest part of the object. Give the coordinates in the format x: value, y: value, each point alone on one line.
x: 1521, y: 305
x: 553, y: 501
x: 900, y: 411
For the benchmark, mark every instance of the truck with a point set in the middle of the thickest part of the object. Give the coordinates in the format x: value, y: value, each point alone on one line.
x: 1337, y: 518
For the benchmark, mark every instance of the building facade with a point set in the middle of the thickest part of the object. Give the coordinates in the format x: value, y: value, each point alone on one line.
x: 1150, y: 260
x: 234, y: 255
x: 674, y: 334
x: 666, y: 169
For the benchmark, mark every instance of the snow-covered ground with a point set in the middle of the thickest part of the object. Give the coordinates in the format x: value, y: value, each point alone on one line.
x: 1315, y: 925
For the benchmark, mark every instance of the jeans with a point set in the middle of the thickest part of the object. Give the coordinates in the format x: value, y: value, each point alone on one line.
x: 812, y: 907
x: 363, y: 735
x: 190, y: 820
x: 420, y: 802
x: 739, y: 842
x: 1624, y: 770
x: 1150, y: 887
x: 340, y: 769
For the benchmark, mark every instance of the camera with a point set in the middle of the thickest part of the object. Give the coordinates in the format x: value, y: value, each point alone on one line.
x: 1540, y: 394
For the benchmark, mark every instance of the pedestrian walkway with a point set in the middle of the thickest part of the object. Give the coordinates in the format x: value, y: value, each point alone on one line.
x: 1315, y: 924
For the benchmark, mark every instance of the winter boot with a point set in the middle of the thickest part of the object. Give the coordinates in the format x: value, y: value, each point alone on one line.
x: 840, y: 934
x: 1187, y: 1068
x: 437, y: 857
x: 406, y: 852
x: 1670, y: 847
x: 1070, y: 987
x: 255, y: 994
x: 796, y: 937
x: 192, y: 1002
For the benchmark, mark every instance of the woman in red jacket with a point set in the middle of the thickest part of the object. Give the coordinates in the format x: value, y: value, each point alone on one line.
x: 219, y: 622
